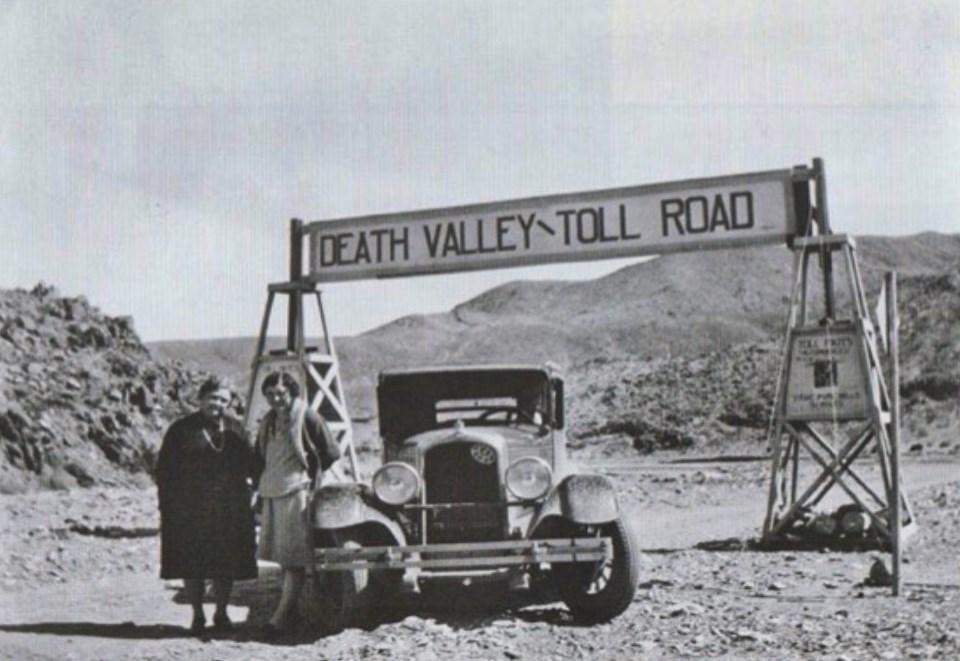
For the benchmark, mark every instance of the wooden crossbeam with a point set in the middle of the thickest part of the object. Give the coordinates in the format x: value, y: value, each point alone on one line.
x: 836, y: 476
x: 847, y: 464
x: 825, y: 475
x: 325, y: 391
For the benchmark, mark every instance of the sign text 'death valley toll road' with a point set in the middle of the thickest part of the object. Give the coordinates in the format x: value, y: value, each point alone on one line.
x: 720, y: 212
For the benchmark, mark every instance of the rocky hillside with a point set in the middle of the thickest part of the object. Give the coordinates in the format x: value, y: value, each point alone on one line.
x: 678, y: 305
x: 675, y: 352
x: 82, y: 401
x: 717, y: 398
x: 678, y: 352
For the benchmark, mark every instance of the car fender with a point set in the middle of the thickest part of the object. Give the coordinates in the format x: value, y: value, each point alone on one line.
x: 337, y: 506
x: 586, y: 499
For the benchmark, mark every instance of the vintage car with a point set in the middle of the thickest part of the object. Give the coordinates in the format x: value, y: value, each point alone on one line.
x: 475, y: 481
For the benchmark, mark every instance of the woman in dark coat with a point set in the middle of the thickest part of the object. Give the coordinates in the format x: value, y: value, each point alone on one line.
x: 206, y: 520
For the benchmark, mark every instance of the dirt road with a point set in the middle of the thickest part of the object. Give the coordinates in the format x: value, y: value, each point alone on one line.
x: 68, y: 593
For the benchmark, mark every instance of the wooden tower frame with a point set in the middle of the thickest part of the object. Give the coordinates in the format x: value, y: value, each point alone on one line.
x: 841, y: 353
x: 316, y: 368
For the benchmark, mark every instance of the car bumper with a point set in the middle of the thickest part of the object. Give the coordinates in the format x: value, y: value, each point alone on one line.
x: 471, y: 555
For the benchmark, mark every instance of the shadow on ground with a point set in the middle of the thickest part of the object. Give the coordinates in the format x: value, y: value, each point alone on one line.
x: 461, y: 607
x: 126, y: 630
x: 453, y: 604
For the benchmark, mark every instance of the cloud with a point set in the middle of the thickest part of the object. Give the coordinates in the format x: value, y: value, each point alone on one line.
x: 143, y: 139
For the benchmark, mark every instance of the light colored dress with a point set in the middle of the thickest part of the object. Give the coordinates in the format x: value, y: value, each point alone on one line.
x: 285, y: 490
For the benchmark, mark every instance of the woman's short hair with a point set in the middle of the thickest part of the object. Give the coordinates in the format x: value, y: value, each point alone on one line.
x: 282, y: 378
x: 215, y: 383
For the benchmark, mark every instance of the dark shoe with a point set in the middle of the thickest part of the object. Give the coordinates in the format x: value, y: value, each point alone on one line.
x: 270, y: 631
x: 198, y: 625
x: 222, y: 623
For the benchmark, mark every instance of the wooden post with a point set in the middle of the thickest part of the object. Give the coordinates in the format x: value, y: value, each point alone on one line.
x: 893, y: 321
x: 296, y: 273
x: 823, y: 218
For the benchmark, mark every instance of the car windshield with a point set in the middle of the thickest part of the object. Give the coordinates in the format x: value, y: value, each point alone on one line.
x: 479, y: 408
x: 410, y: 403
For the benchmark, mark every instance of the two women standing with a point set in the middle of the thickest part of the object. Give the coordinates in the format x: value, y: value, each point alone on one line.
x: 204, y: 472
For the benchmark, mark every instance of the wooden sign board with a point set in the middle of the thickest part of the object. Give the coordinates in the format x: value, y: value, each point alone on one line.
x: 826, y: 379
x: 720, y: 212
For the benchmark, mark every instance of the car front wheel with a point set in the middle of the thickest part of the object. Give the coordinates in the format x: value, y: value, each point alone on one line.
x: 600, y: 591
x: 356, y: 598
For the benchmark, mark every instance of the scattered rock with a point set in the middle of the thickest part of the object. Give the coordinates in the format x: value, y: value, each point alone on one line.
x: 677, y: 610
x: 879, y: 575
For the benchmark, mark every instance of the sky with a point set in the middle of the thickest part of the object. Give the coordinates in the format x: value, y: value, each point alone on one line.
x: 152, y: 154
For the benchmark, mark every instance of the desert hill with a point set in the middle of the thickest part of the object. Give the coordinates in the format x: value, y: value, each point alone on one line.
x: 720, y: 397
x: 676, y: 352
x: 675, y: 305
x: 229, y: 357
x: 82, y: 401
x: 679, y: 305
x: 671, y: 352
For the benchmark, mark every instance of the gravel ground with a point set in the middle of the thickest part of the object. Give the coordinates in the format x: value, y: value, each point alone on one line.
x: 79, y: 580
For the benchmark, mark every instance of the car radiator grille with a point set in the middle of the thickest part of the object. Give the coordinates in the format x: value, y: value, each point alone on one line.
x: 454, y: 476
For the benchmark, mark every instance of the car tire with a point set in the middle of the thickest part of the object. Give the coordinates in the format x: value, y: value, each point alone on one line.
x: 599, y: 591
x: 358, y: 598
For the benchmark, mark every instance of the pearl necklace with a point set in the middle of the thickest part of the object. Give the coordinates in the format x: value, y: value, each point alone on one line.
x: 209, y: 440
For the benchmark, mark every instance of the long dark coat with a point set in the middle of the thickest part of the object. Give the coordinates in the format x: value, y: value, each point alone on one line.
x: 206, y: 522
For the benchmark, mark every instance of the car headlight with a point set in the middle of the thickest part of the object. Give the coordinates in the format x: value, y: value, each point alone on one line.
x: 529, y: 478
x: 396, y: 483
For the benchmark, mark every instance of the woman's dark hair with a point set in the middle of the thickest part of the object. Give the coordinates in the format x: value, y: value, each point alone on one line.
x: 215, y: 383
x: 283, y: 378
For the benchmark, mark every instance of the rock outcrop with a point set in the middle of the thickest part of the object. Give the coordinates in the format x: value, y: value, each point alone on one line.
x: 82, y: 401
